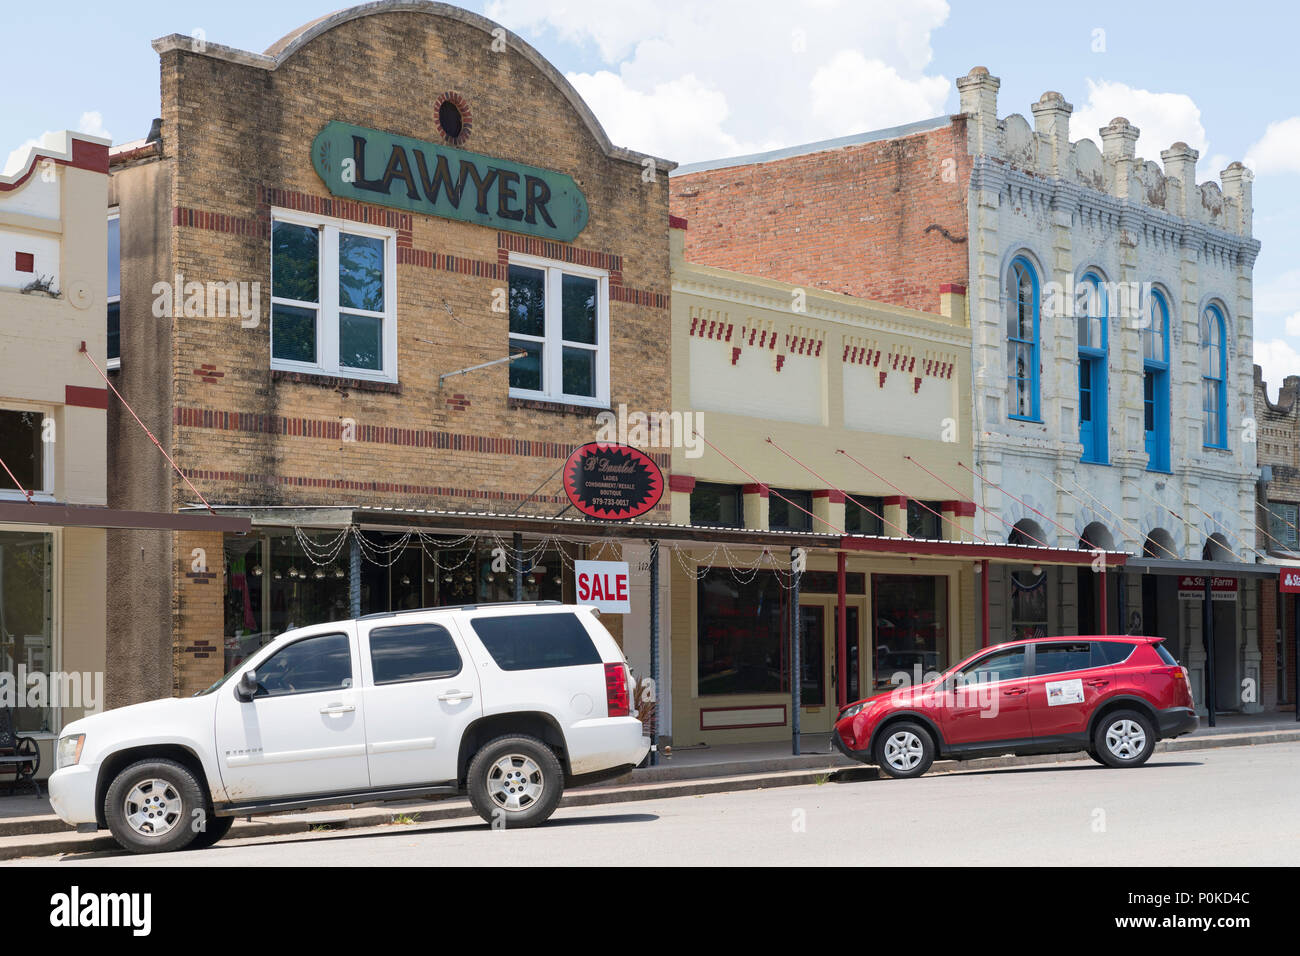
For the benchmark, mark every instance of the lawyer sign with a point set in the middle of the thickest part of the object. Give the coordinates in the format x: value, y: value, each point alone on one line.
x: 367, y: 165
x: 604, y: 584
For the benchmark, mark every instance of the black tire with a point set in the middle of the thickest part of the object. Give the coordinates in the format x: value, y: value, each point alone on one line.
x: 215, y: 829
x: 1095, y: 756
x: 179, y: 796
x: 904, y: 750
x: 492, y: 790
x: 1124, y: 738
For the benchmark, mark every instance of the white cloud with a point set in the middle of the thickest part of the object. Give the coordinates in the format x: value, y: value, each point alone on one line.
x: 1277, y: 296
x: 693, y: 81
x: 1293, y: 324
x: 852, y: 93
x: 1163, y: 118
x: 1278, y: 150
x: 91, y: 122
x: 1277, y: 359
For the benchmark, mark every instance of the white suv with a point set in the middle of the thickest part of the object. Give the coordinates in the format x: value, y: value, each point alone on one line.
x: 510, y: 702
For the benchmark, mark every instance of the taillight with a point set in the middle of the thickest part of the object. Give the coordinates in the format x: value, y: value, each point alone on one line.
x: 616, y: 690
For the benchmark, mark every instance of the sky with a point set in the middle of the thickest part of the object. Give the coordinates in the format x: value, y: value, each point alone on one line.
x: 692, y: 80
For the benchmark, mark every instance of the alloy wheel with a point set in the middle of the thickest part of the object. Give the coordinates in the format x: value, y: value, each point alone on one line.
x: 153, y: 807
x: 515, y: 782
x: 904, y: 750
x: 1126, y: 739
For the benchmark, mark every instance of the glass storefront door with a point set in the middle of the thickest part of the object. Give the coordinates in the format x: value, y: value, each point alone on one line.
x: 818, y: 660
x: 26, y: 626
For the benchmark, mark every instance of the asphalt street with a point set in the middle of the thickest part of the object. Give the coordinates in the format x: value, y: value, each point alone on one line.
x: 1233, y: 805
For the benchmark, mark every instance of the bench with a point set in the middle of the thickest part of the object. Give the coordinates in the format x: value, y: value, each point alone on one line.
x: 18, y: 755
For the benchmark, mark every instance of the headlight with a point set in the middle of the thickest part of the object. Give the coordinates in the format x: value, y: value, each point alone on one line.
x: 69, y: 753
x: 852, y: 710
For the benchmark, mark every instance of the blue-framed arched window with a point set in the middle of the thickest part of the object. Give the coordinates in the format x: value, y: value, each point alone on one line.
x: 1155, y: 381
x: 1092, y: 310
x: 1214, y: 377
x: 1022, y: 340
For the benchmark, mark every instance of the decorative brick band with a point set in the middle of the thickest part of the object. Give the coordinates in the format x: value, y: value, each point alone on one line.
x: 719, y: 329
x: 654, y: 300
x: 332, y: 429
x: 561, y: 252
x: 683, y: 483
x: 336, y: 208
x: 80, y: 396
x: 449, y: 263
x: 183, y: 216
x: 384, y: 487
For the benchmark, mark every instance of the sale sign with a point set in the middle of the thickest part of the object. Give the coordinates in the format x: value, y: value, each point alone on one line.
x: 604, y: 584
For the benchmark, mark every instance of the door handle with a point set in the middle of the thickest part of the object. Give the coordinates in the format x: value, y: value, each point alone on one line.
x: 338, y: 709
x: 1014, y: 692
x: 1097, y: 682
x: 455, y: 695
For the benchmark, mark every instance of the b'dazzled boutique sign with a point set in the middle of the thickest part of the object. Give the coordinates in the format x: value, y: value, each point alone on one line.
x: 367, y: 165
x: 615, y: 482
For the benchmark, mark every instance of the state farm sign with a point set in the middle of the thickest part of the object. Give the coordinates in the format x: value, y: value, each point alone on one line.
x: 1289, y: 580
x: 604, y: 584
x: 1192, y: 588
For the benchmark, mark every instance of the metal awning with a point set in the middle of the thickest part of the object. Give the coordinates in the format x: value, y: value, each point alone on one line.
x: 1215, y: 569
x: 338, y: 517
x: 93, y: 516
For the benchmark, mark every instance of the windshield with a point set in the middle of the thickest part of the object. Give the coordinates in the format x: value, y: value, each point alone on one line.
x: 236, y: 670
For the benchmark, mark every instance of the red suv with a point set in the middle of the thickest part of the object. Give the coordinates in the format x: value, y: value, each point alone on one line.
x: 1112, y: 697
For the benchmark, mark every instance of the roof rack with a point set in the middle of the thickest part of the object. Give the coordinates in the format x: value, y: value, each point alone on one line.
x: 456, y: 607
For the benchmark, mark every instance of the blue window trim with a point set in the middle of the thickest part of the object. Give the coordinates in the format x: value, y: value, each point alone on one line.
x: 1036, y: 416
x: 1093, y: 437
x: 1213, y: 314
x: 1157, y: 441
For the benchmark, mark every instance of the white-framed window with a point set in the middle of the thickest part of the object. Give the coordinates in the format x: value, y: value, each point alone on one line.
x: 559, y: 317
x: 27, y: 449
x: 333, y: 297
x: 114, y: 289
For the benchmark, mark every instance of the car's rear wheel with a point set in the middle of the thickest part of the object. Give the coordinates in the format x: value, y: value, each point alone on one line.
x: 150, y: 806
x: 515, y: 782
x: 1124, y: 738
x: 904, y: 750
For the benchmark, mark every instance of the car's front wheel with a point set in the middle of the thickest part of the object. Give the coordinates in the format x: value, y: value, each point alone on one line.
x: 150, y: 806
x: 904, y: 750
x: 1124, y: 738
x: 515, y: 782
x: 213, y: 831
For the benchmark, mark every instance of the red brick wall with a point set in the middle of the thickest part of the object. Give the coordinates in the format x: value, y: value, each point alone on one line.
x: 851, y: 220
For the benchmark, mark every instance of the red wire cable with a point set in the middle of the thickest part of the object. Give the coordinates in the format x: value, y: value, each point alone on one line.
x: 841, y: 451
x: 17, y: 484
x: 1029, y: 506
x: 977, y: 504
x: 768, y: 487
x: 880, y: 518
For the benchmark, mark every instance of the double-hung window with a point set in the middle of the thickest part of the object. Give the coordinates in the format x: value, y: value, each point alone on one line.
x: 559, y: 329
x: 1091, y: 312
x: 114, y: 290
x: 1214, y: 373
x: 1022, y: 340
x: 1155, y: 381
x: 333, y: 298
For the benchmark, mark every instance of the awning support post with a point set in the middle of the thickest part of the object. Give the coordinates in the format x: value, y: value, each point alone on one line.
x: 518, y: 543
x: 1120, y: 602
x: 1101, y: 587
x: 841, y: 630
x: 654, y: 651
x: 796, y: 671
x: 984, y: 602
x: 1207, y: 626
x: 1295, y: 659
x: 354, y: 575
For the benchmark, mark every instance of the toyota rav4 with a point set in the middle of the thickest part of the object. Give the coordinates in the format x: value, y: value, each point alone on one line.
x: 510, y: 703
x: 1111, y: 697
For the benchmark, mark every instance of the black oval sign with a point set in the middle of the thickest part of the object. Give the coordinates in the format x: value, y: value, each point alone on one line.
x: 611, y: 481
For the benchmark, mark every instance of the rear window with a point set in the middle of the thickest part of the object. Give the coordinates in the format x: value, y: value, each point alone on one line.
x: 520, y: 642
x: 1111, y: 652
x: 1164, y: 654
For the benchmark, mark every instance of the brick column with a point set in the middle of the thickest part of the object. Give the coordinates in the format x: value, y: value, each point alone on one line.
x: 828, y: 509
x: 679, y: 491
x: 959, y: 520
x: 756, y: 505
x: 895, y: 514
x: 198, y: 612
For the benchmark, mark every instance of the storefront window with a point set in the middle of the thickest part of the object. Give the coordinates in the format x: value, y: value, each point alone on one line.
x: 718, y: 505
x: 789, y: 510
x: 274, y: 585
x: 1028, y: 605
x: 910, y: 633
x: 923, y: 519
x: 862, y: 514
x: 742, y: 632
x: 26, y: 623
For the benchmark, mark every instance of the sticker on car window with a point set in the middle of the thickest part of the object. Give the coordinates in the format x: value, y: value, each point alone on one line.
x: 1064, y: 692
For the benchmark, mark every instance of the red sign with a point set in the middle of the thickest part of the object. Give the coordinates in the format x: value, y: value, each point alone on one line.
x: 605, y: 584
x: 1192, y: 587
x: 1290, y: 580
x: 611, y: 481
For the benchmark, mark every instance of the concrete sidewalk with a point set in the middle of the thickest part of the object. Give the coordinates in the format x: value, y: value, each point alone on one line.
x: 29, y: 828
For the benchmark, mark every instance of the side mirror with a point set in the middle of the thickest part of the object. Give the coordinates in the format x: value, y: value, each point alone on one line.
x: 246, y: 687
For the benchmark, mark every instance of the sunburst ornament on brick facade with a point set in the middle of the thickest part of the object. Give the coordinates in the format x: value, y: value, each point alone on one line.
x: 452, y: 116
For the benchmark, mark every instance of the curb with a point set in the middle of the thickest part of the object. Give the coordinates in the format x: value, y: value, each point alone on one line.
x: 48, y: 836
